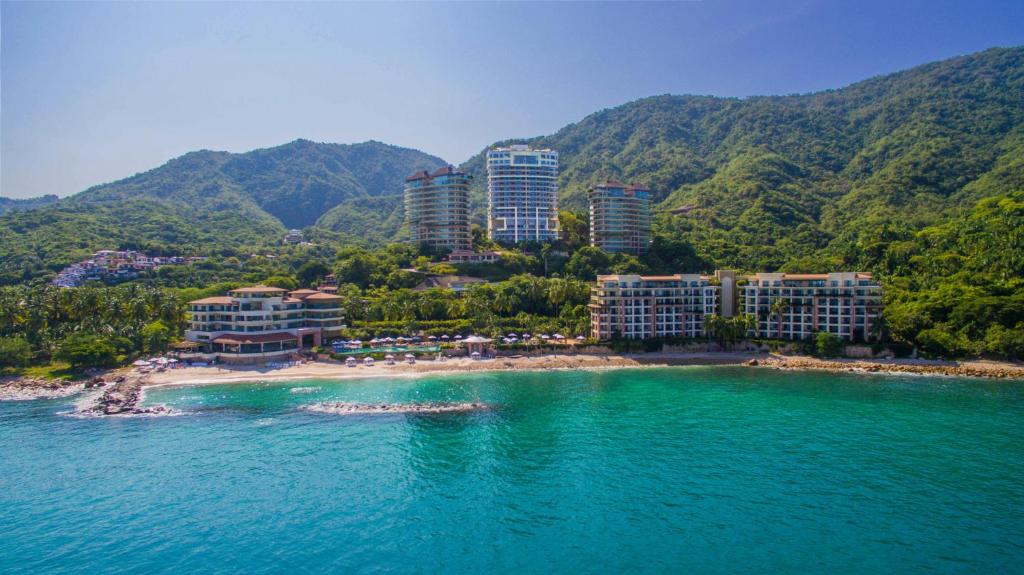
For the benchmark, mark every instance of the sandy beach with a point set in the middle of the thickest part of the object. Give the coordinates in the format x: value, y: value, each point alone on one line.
x: 337, y: 370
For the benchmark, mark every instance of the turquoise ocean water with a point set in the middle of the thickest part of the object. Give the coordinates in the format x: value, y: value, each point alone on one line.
x: 682, y: 470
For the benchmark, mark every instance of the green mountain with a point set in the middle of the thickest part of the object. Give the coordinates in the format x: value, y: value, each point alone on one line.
x: 773, y: 178
x: 209, y: 202
x: 18, y: 204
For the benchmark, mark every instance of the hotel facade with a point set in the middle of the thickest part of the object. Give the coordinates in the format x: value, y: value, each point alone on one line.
x: 786, y: 306
x: 642, y: 307
x: 620, y: 217
x: 798, y: 306
x: 259, y: 323
x: 521, y: 185
x: 437, y: 209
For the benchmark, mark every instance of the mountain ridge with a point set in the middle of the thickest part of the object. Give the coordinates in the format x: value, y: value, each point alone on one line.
x: 772, y: 179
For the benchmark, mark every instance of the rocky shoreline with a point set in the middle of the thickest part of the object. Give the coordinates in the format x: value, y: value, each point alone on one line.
x: 966, y: 369
x: 122, y: 396
x: 27, y: 388
x: 344, y: 408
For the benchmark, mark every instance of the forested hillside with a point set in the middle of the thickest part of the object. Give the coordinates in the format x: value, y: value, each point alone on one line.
x: 917, y: 176
x: 211, y: 202
x: 19, y: 204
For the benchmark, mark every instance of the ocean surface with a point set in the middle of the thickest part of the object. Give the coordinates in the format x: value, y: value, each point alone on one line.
x: 681, y: 470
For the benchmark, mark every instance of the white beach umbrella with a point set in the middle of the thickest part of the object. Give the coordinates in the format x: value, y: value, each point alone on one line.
x: 545, y: 336
x: 389, y: 356
x: 140, y: 362
x: 458, y: 337
x: 558, y: 336
x: 432, y: 337
x: 445, y: 336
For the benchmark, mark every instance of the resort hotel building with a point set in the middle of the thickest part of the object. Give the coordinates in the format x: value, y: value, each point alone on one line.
x: 258, y: 323
x: 798, y: 306
x: 642, y: 307
x: 521, y: 185
x: 785, y: 306
x: 437, y: 209
x: 620, y: 217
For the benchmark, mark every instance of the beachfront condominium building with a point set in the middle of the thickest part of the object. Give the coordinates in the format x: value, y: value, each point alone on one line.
x: 642, y: 307
x: 620, y: 217
x: 521, y: 186
x: 798, y: 306
x: 256, y: 323
x: 437, y: 209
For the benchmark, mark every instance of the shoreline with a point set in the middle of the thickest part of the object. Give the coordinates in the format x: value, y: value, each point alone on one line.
x: 28, y: 389
x: 339, y: 371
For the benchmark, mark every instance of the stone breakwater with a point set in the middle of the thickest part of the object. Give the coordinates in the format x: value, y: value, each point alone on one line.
x: 121, y: 397
x: 343, y: 408
x: 978, y: 369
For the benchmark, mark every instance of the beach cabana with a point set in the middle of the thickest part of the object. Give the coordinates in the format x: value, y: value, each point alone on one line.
x: 390, y: 359
x: 350, y: 362
x: 410, y: 358
x: 476, y: 344
x: 367, y: 361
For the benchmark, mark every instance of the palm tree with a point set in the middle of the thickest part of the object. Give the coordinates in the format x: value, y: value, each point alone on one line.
x: 779, y: 307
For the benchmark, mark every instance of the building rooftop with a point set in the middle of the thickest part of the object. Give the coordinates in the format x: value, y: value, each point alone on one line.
x: 213, y: 300
x: 320, y: 296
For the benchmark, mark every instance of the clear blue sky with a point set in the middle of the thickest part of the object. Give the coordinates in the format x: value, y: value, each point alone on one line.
x: 95, y: 92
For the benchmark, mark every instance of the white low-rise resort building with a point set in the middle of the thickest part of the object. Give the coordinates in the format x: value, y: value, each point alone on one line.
x: 257, y: 323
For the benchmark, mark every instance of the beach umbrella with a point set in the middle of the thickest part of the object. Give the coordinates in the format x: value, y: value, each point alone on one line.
x: 445, y: 336
x: 475, y: 354
x: 172, y: 360
x: 152, y: 360
x: 511, y: 335
x: 389, y: 356
x: 368, y: 361
x: 559, y: 336
x: 140, y: 362
x: 432, y: 337
x: 458, y: 337
x: 526, y: 336
x: 545, y: 336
